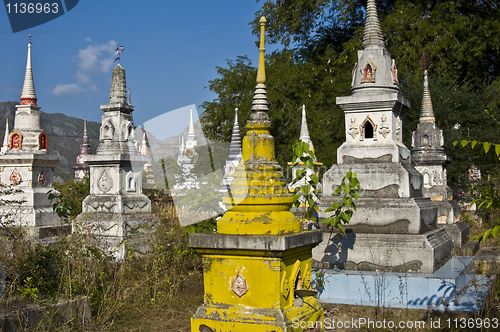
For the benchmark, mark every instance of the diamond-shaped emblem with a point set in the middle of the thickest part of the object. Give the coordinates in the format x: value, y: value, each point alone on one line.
x: 240, y: 285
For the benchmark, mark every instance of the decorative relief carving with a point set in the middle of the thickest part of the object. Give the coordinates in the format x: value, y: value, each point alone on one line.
x: 285, y: 286
x: 398, y: 128
x: 136, y: 206
x: 240, y: 285
x: 15, y: 177
x: 105, y: 183
x: 394, y: 71
x: 42, y: 177
x: 42, y: 141
x: 353, y: 128
x: 306, y: 280
x: 384, y: 127
x: 436, y: 178
x: 354, y: 74
x: 368, y: 72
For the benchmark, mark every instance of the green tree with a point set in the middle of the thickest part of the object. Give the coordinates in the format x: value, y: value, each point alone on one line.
x: 72, y: 193
x: 457, y: 41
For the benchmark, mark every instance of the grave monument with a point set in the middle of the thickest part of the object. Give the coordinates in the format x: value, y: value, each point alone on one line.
x: 257, y: 266
x: 116, y: 206
x: 235, y: 155
x: 394, y: 228
x: 27, y: 164
x: 430, y: 160
x: 81, y: 168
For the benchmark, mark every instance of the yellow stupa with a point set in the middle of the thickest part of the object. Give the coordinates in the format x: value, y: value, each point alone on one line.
x: 257, y: 266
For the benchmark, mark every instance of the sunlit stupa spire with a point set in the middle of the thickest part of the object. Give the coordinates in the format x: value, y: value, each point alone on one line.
x: 372, y: 36
x: 28, y: 96
x: 235, y: 148
x: 427, y: 112
x: 258, y: 186
x: 5, y: 146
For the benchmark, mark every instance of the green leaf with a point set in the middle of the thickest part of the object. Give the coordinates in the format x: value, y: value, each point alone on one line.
x: 497, y: 149
x: 487, y: 234
x: 486, y: 147
x: 473, y: 144
x: 495, y: 231
x: 464, y: 143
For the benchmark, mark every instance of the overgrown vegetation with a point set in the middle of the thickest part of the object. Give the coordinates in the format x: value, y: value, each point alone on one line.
x: 167, y: 280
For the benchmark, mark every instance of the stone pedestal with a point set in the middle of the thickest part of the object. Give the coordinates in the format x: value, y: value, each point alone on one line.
x: 250, y: 281
x: 422, y: 253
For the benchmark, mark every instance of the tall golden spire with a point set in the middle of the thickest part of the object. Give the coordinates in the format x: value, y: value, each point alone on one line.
x: 261, y: 71
x: 259, y: 201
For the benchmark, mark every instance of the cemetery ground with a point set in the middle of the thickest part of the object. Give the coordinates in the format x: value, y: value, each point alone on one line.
x: 158, y: 291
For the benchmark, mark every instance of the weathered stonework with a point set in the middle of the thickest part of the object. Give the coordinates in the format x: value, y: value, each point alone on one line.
x: 258, y: 261
x: 392, y: 214
x: 430, y: 160
x: 28, y: 165
x: 116, y: 206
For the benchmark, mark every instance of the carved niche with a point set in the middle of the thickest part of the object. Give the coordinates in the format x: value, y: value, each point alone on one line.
x: 107, y: 130
x: 368, y: 72
x: 43, y: 141
x: 130, y: 182
x: 368, y: 129
x: 394, y: 72
x: 16, y: 140
x: 230, y: 169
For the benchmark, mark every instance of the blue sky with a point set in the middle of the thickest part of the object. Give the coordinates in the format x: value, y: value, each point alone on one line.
x: 171, y: 51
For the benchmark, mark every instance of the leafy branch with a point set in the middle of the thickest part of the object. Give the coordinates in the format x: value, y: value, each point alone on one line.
x: 305, y: 193
x: 344, y: 209
x: 487, y: 197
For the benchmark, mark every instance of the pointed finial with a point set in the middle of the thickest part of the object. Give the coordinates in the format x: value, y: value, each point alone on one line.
x: 259, y: 104
x: 427, y: 113
x: 372, y: 36
x: 235, y: 148
x: 85, y: 135
x: 261, y: 72
x: 6, y: 136
x: 144, y: 146
x: 118, y: 91
x: 28, y: 96
x: 304, y: 131
x: 191, y: 125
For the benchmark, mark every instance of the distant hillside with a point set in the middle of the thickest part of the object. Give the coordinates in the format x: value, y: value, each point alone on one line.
x: 65, y: 135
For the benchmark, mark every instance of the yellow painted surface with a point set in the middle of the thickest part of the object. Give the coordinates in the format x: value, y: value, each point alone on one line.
x: 438, y: 198
x: 267, y: 304
x: 250, y: 290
